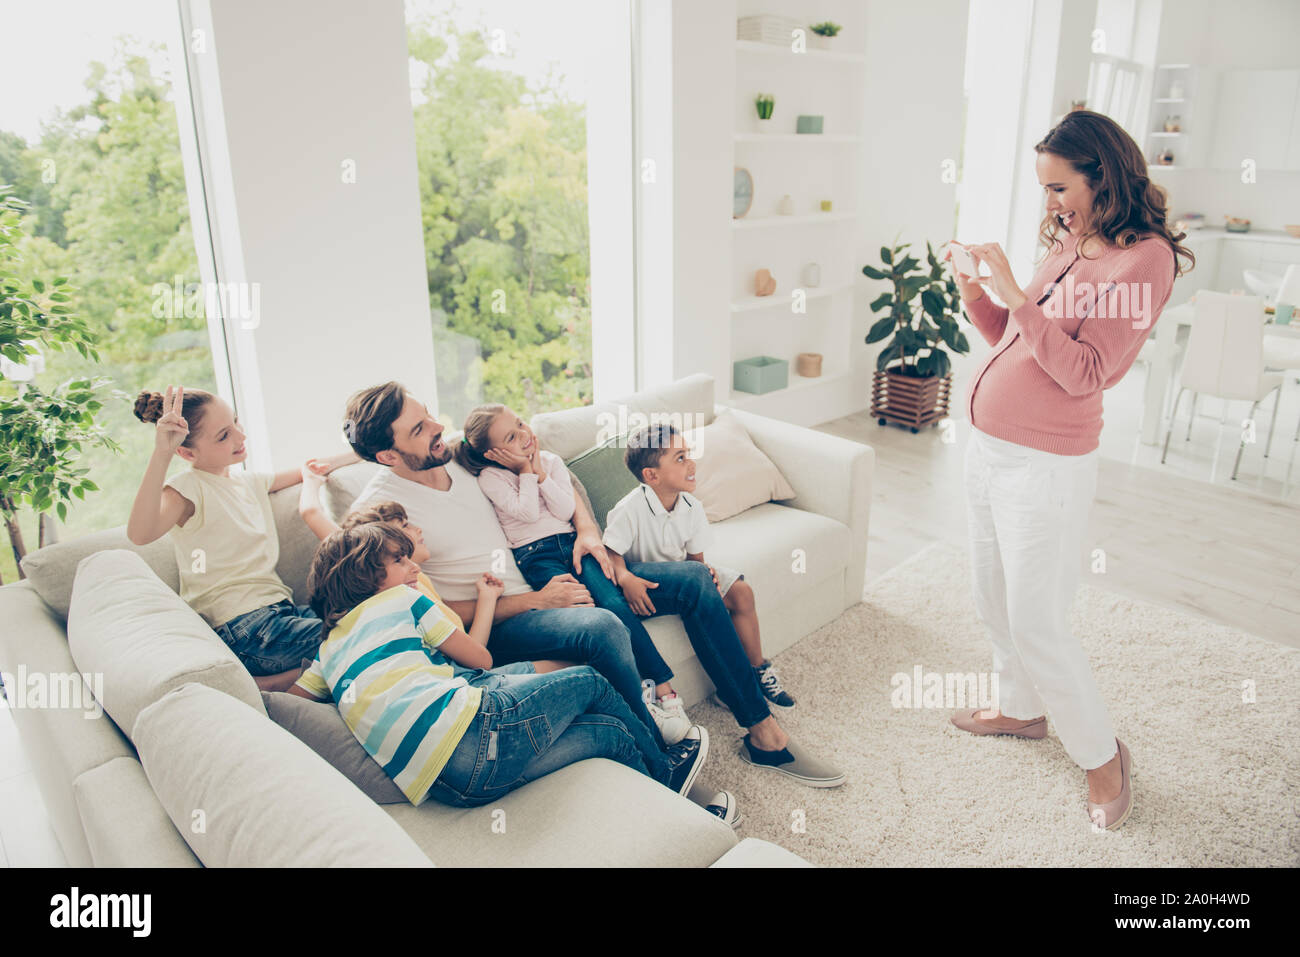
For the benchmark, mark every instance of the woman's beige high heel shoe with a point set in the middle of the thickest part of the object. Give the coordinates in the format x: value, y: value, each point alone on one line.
x: 1114, y: 813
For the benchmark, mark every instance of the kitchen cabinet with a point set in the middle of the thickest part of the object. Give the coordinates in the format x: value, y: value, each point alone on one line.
x: 1257, y: 116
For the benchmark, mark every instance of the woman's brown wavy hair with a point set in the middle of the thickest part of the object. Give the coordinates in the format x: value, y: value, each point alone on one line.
x: 1126, y: 205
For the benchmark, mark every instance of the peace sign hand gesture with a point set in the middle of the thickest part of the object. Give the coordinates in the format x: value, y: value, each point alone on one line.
x: 172, y: 428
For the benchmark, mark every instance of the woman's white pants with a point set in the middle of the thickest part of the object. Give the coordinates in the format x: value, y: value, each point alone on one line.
x: 1027, y: 512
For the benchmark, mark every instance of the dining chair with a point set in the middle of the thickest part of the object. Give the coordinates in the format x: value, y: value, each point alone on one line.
x: 1225, y: 359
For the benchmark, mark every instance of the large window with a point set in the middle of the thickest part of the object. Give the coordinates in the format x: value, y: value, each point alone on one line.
x: 499, y: 90
x: 89, y: 137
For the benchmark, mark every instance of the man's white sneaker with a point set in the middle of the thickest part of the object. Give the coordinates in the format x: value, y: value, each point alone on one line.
x: 670, y: 717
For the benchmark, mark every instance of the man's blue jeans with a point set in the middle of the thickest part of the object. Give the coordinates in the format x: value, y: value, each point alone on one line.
x: 542, y: 560
x: 590, y: 636
x: 530, y: 725
x: 687, y: 589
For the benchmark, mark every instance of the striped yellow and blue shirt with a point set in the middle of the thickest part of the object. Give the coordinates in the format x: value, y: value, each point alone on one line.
x: 399, y: 695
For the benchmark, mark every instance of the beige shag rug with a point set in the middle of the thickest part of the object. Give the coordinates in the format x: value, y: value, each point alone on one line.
x: 1215, y: 778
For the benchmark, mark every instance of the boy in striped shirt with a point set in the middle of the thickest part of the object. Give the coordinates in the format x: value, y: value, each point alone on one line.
x: 415, y: 689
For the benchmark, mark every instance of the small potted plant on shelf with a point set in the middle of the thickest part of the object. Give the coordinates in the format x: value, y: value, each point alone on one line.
x: 913, y: 379
x: 823, y: 33
x: 764, y: 103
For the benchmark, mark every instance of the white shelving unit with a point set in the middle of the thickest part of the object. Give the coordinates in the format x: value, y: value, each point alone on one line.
x: 1193, y: 107
x: 809, y: 168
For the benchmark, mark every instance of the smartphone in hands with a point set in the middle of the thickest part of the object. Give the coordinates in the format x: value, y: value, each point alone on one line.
x: 962, y: 260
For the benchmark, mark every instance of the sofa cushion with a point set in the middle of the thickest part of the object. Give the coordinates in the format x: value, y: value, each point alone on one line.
x: 127, y: 625
x: 319, y: 725
x: 61, y: 743
x: 51, y: 569
x: 603, y: 476
x: 342, y: 486
x: 595, y: 813
x: 732, y: 474
x: 570, y: 431
x: 125, y: 825
x: 297, y: 542
x: 781, y: 550
x: 751, y: 852
x: 253, y: 795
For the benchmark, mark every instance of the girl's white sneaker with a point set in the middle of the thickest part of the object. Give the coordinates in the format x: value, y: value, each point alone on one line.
x: 670, y: 717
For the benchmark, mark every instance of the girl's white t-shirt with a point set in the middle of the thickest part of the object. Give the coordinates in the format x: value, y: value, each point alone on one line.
x: 228, y: 548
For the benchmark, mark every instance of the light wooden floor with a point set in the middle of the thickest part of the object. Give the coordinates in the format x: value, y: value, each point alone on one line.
x: 1230, y: 554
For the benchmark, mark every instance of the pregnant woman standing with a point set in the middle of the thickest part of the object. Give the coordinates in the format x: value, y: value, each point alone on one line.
x: 1035, y: 410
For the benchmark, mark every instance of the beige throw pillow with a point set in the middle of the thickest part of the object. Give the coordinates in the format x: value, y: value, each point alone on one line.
x: 732, y: 475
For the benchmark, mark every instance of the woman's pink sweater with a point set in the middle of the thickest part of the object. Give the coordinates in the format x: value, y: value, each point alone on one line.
x: 1041, y: 385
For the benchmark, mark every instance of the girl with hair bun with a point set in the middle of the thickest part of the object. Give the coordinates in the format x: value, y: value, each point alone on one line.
x: 223, y: 532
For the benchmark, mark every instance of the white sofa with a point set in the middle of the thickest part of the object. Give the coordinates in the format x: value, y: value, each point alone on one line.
x: 185, y: 768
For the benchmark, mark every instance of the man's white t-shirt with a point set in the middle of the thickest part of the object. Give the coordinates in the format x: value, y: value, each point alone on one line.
x: 460, y: 529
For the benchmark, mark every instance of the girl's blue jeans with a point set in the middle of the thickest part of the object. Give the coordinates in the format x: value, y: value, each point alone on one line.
x: 275, y: 638
x: 542, y: 560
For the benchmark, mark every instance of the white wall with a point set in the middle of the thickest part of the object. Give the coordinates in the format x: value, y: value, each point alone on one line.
x: 913, y: 116
x: 703, y: 80
x: 289, y: 91
x: 1244, y: 34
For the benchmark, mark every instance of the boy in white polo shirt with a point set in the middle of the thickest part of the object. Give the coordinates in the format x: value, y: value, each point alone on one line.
x: 661, y: 521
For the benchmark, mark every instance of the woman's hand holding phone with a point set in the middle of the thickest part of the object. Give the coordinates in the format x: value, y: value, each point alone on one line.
x: 967, y: 285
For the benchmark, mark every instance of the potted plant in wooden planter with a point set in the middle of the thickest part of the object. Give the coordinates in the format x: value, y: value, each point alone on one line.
x: 913, y: 379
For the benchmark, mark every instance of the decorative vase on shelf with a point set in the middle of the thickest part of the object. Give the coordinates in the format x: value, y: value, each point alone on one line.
x: 764, y: 283
x: 1166, y: 158
x: 826, y: 205
x: 812, y: 275
x: 808, y: 364
x: 1176, y: 90
x: 786, y: 206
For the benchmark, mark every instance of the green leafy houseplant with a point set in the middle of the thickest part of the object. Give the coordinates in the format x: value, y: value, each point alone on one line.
x: 919, y: 334
x: 41, y: 432
x: 826, y: 29
x: 764, y: 103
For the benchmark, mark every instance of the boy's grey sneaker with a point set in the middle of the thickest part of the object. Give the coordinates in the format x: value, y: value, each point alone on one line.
x: 686, y: 758
x: 771, y: 686
x: 794, y: 761
x: 723, y: 806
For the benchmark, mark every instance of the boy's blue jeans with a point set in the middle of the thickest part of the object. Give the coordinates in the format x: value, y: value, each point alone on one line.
x: 590, y: 636
x: 275, y: 638
x: 542, y: 560
x: 687, y: 589
x: 530, y: 725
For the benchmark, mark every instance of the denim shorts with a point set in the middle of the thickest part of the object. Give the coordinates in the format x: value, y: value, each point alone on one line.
x: 274, y: 638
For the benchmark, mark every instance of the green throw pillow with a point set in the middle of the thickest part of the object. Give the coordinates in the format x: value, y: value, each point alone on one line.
x: 604, y: 477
